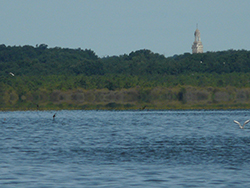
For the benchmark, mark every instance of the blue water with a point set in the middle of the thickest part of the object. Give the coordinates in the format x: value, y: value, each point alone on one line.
x: 124, y: 149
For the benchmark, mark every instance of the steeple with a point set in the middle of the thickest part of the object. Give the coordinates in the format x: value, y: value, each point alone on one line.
x: 197, y: 46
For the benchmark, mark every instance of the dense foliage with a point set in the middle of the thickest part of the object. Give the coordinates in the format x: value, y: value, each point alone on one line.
x: 43, y: 61
x: 41, y: 72
x: 40, y: 67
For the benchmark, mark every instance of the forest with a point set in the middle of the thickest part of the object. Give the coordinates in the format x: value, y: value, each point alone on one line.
x: 65, y: 78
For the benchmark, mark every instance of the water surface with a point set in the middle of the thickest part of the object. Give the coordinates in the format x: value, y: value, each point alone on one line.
x: 124, y: 149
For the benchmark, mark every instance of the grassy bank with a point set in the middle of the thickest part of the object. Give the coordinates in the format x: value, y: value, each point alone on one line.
x: 179, y: 97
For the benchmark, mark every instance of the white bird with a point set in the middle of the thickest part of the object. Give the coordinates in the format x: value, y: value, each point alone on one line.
x: 242, y: 127
x: 12, y: 74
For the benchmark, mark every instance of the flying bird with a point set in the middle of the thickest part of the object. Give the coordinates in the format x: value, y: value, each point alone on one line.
x: 11, y: 74
x: 242, y: 127
x: 54, y: 115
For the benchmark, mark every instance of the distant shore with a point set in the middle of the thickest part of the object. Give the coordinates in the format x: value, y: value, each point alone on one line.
x: 158, y: 98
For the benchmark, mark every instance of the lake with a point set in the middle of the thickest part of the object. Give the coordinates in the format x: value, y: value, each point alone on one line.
x: 124, y: 149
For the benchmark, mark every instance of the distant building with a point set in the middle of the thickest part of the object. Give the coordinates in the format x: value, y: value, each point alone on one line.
x: 197, y: 46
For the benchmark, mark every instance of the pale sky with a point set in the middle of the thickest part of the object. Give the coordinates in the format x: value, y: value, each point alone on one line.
x: 117, y: 27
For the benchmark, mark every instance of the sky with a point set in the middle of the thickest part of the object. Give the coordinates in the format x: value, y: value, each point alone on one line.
x: 117, y: 27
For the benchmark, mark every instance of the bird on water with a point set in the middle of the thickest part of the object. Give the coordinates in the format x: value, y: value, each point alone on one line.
x: 242, y: 127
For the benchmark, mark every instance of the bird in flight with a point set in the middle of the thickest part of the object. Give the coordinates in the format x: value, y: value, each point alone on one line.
x: 54, y: 115
x: 242, y: 127
x: 11, y: 74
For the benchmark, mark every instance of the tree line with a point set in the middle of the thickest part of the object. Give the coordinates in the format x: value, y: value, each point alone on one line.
x: 41, y: 60
x: 65, y: 69
x: 41, y: 69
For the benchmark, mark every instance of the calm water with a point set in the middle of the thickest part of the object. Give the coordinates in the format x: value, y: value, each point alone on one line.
x: 124, y: 149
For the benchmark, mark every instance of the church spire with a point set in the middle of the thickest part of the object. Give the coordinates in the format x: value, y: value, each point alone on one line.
x: 197, y: 46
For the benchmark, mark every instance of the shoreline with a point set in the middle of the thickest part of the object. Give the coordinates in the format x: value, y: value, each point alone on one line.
x: 89, y: 108
x: 157, y: 98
